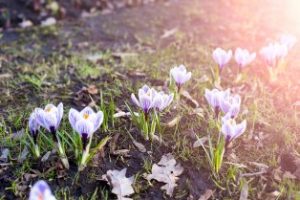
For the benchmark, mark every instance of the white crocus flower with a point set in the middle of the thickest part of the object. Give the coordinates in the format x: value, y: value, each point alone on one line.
x: 243, y: 57
x: 231, y: 105
x: 180, y: 75
x: 231, y: 129
x: 50, y: 117
x: 221, y: 57
x: 85, y: 122
x: 273, y: 53
x: 33, y: 125
x: 288, y: 40
x: 34, y: 128
x: 214, y: 98
x: 162, y: 100
x: 41, y: 191
x: 145, y: 98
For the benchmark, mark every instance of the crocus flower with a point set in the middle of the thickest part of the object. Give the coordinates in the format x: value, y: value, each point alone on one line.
x: 243, y: 57
x: 145, y: 98
x: 162, y: 100
x: 50, y: 117
x: 180, y: 75
x: 288, y: 40
x: 41, y: 191
x: 214, y: 98
x: 231, y: 130
x: 85, y: 122
x: 273, y: 53
x: 230, y: 105
x: 33, y: 126
x: 221, y: 57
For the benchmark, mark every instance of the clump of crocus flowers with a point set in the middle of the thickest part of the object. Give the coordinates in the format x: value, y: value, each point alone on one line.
x: 243, y: 57
x: 85, y: 123
x: 150, y: 102
x: 49, y: 118
x: 222, y: 101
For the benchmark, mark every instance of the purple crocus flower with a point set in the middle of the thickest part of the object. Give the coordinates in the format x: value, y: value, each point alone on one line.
x: 273, y: 53
x: 33, y: 126
x: 221, y: 57
x: 41, y: 191
x: 180, y: 75
x: 214, y: 98
x: 162, y: 100
x: 85, y: 122
x: 145, y: 98
x: 50, y: 117
x: 230, y: 105
x: 243, y: 57
x: 231, y: 130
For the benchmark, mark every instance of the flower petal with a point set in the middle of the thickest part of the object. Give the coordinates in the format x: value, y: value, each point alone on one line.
x: 87, y: 111
x: 41, y: 190
x: 84, y: 127
x: 134, y: 100
x: 99, y: 116
x: 74, y: 116
x: 60, y: 113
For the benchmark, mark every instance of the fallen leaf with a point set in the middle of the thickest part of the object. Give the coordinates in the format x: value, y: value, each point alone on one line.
x: 26, y: 24
x: 169, y: 33
x: 123, y: 55
x: 23, y: 155
x: 200, y: 142
x: 207, y: 194
x: 94, y: 57
x: 124, y: 114
x: 48, y: 22
x: 122, y: 186
x: 18, y: 134
x: 5, y: 76
x: 244, y: 191
x: 159, y: 139
x: 139, y: 146
x: 166, y: 171
x: 123, y: 152
x: 46, y: 156
x: 4, y: 155
x: 174, y: 121
x: 190, y: 100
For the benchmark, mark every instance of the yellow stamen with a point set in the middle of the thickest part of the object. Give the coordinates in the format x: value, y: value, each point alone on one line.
x: 47, y: 109
x: 86, y: 116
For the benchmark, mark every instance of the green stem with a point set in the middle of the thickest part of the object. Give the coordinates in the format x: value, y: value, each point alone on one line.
x: 37, y: 151
x: 62, y: 153
x: 85, y: 155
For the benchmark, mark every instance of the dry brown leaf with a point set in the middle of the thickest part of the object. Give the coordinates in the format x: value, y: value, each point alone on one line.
x: 200, y: 142
x: 122, y: 152
x: 4, y: 155
x: 169, y: 33
x: 207, y: 194
x: 190, y: 100
x: 122, y: 186
x: 244, y: 191
x: 139, y: 146
x: 174, y: 121
x: 166, y: 171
